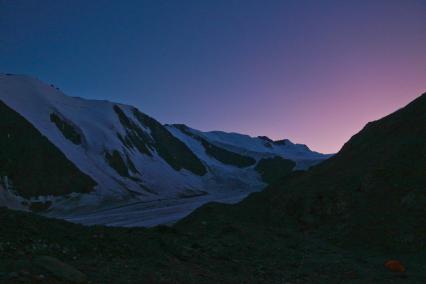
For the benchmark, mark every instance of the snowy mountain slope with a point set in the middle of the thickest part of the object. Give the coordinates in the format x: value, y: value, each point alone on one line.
x: 99, y: 127
x: 258, y: 147
x: 129, y: 156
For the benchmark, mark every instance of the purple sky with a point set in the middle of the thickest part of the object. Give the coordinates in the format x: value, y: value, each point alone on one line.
x: 311, y: 71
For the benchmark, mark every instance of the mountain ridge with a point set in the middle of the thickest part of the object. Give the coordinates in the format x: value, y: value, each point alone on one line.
x: 134, y: 158
x: 373, y: 186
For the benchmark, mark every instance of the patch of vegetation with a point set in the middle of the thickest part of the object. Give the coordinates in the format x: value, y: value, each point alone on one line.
x: 171, y: 149
x: 117, y: 163
x: 273, y: 169
x: 66, y: 129
x: 36, y: 168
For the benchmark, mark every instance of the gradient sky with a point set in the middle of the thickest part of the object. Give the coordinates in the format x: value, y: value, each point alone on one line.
x: 311, y: 71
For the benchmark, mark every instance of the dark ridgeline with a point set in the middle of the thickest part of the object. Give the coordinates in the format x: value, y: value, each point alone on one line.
x: 369, y: 201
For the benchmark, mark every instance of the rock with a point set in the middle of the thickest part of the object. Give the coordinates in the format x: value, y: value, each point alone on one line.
x: 24, y: 272
x: 60, y: 269
x: 13, y: 275
x: 39, y: 279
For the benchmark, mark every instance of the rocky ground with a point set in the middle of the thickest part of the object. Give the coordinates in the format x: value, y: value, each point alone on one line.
x: 35, y: 249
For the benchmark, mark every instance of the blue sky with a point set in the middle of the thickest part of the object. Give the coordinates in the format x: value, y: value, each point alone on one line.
x: 311, y: 71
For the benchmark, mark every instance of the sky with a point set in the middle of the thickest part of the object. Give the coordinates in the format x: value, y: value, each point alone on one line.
x: 314, y: 72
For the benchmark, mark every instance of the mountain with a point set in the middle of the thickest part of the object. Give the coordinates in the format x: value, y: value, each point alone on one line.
x: 342, y: 221
x: 67, y: 156
x: 365, y: 205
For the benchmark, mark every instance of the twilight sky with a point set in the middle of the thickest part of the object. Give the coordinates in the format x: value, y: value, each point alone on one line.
x: 311, y: 71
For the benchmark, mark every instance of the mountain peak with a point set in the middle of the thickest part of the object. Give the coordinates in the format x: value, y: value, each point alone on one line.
x: 265, y: 138
x: 130, y: 156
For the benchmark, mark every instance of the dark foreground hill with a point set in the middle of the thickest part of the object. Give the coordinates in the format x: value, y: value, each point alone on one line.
x: 337, y: 223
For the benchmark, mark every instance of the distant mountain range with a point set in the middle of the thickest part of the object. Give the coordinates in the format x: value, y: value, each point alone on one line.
x: 62, y: 154
x: 358, y: 217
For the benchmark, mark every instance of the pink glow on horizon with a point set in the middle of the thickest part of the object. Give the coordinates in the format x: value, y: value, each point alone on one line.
x: 321, y: 99
x: 337, y: 111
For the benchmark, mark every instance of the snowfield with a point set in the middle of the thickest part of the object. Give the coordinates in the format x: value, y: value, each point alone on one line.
x: 156, y: 193
x: 149, y: 213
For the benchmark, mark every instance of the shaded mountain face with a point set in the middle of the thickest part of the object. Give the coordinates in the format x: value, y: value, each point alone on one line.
x: 94, y: 153
x: 371, y: 195
x: 26, y: 153
x: 373, y: 192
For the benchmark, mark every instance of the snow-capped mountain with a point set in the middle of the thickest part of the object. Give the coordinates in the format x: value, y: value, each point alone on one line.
x: 258, y: 147
x: 68, y: 154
